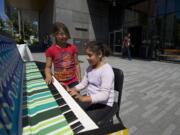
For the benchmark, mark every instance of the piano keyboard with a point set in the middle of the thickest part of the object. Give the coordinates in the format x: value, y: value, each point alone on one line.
x: 50, y: 110
x: 77, y: 110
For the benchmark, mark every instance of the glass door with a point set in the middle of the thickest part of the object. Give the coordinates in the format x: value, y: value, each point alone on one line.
x: 111, y: 40
x: 115, y: 41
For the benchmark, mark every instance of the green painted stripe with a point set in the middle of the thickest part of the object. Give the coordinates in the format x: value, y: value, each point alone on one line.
x: 41, y: 102
x: 34, y: 69
x: 33, y: 81
x: 39, y: 108
x: 63, y: 129
x: 28, y: 101
x: 30, y: 66
x: 48, y: 126
x: 43, y: 116
x: 29, y: 90
x: 34, y: 85
x: 66, y: 131
x: 35, y: 96
x: 36, y: 100
x: 31, y: 70
x: 35, y: 92
x: 41, y: 84
x: 33, y: 74
x: 33, y: 78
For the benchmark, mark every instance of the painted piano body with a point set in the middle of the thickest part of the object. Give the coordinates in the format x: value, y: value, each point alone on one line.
x: 28, y: 106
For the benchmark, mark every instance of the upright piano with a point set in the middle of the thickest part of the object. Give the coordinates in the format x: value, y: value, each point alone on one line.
x: 29, y: 106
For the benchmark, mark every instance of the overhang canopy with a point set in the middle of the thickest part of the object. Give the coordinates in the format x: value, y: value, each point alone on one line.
x: 28, y: 4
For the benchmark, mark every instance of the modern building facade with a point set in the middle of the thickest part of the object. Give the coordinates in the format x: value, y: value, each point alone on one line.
x: 86, y: 19
x: 153, y: 24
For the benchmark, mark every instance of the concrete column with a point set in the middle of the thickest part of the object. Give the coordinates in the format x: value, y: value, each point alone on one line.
x: 19, y: 21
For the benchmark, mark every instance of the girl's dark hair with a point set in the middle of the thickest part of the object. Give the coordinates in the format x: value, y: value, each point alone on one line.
x: 60, y: 27
x: 98, y: 48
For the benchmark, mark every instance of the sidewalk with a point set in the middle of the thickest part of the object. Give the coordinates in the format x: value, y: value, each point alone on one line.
x: 151, y: 95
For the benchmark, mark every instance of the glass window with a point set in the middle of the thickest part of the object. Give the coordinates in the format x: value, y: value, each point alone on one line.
x: 160, y: 7
x: 177, y: 3
x: 170, y: 6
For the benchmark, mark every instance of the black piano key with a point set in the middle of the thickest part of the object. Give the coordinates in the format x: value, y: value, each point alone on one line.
x: 64, y: 108
x: 77, y: 124
x: 76, y: 130
x: 25, y: 120
x: 57, y: 96
x: 51, y: 86
x: 54, y: 93
x: 60, y: 101
x: 70, y: 117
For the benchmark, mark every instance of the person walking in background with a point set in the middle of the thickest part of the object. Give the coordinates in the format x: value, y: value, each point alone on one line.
x: 47, y: 41
x: 98, y: 81
x: 126, y: 46
x: 64, y: 56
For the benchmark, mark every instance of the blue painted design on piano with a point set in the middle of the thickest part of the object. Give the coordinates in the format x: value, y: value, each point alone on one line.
x: 10, y: 85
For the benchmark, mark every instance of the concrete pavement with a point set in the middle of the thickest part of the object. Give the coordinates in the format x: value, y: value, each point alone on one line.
x: 151, y: 95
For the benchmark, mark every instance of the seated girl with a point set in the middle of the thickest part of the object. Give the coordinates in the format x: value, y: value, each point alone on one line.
x: 98, y: 81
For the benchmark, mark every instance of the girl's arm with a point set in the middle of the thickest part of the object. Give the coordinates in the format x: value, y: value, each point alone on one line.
x: 83, y: 84
x: 48, y: 73
x: 75, y: 91
x: 107, y: 79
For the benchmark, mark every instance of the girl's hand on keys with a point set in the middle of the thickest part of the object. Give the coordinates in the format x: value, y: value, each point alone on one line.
x: 49, y: 80
x: 73, y: 92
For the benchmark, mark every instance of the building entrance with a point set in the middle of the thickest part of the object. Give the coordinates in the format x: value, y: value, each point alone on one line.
x: 115, y: 41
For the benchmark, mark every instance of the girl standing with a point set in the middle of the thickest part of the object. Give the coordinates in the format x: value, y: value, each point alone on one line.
x: 64, y: 57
